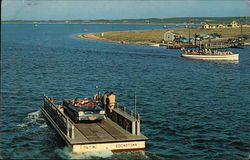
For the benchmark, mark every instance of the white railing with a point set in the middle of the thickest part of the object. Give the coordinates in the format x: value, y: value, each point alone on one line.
x: 63, y: 122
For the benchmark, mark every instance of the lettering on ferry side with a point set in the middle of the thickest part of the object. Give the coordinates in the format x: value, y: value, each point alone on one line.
x: 126, y: 145
x: 88, y: 147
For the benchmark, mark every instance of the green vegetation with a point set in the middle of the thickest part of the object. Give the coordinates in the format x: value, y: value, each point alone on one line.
x: 145, y: 36
x: 156, y: 36
x: 183, y: 20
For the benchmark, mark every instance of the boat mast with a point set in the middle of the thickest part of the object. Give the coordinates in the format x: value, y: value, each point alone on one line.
x: 135, y: 104
x: 189, y: 30
x: 97, y: 91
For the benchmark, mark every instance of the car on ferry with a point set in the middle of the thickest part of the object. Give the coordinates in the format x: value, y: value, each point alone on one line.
x: 82, y: 110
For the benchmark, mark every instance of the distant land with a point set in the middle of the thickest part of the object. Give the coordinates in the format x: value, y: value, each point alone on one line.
x: 183, y: 20
x: 155, y: 36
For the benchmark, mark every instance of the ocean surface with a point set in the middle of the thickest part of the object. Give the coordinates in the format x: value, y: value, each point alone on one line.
x: 189, y: 109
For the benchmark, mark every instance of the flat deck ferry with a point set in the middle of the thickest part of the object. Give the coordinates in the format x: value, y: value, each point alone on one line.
x: 94, y: 124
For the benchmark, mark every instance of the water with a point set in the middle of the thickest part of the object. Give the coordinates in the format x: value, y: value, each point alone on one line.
x: 190, y: 109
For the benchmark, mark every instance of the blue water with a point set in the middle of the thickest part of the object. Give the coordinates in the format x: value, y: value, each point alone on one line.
x: 189, y: 109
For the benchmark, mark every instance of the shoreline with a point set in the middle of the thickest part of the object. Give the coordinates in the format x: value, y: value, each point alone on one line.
x: 92, y: 36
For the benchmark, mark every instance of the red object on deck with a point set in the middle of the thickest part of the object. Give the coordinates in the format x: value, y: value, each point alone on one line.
x: 52, y: 99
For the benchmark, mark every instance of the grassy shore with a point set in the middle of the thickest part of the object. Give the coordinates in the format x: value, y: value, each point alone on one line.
x: 156, y: 36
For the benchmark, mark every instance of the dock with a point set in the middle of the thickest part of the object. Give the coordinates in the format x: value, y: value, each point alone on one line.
x: 118, y: 133
x: 221, y: 45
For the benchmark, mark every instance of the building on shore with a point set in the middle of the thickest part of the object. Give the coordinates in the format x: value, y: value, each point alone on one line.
x: 233, y: 24
x: 170, y: 36
x: 221, y: 26
x: 208, y: 26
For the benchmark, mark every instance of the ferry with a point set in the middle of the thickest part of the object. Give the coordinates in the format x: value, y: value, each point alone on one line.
x: 89, y: 124
x: 208, y: 54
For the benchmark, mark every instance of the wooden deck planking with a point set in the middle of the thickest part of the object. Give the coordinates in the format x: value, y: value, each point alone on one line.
x: 93, y: 132
x: 111, y: 128
x: 106, y: 131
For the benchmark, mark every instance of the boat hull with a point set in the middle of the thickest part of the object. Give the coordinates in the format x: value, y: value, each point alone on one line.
x: 110, y: 146
x: 231, y: 57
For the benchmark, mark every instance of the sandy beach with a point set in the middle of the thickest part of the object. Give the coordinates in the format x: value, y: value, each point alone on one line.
x: 92, y: 36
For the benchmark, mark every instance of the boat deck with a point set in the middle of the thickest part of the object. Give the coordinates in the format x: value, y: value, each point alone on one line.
x: 98, y: 132
x: 106, y: 131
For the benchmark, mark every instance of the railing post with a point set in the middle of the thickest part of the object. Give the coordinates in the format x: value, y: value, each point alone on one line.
x: 67, y: 127
x: 118, y: 106
x: 134, y: 127
x: 73, y: 132
x: 138, y: 128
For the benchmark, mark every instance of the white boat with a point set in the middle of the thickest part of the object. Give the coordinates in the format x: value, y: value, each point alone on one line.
x: 155, y: 44
x: 231, y: 57
x: 211, y: 55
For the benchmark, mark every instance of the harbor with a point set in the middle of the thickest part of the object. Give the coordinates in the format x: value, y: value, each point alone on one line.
x: 120, y: 132
x: 189, y: 109
x: 173, y: 75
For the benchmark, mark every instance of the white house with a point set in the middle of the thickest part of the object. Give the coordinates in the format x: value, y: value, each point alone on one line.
x: 170, y: 36
x: 234, y: 24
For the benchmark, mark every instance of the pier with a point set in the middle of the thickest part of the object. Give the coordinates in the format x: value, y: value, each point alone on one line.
x: 221, y: 45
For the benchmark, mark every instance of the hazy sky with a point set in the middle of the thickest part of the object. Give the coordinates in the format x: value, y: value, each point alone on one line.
x: 120, y: 9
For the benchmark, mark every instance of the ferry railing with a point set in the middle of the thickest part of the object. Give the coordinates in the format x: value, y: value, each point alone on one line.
x: 136, y: 116
x: 62, y: 121
x: 133, y: 125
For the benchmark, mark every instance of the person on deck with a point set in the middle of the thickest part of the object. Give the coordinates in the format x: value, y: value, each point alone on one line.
x: 111, y: 101
x: 104, y: 99
x: 74, y: 102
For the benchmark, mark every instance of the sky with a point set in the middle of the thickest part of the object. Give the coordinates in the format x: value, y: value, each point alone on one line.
x: 120, y: 9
